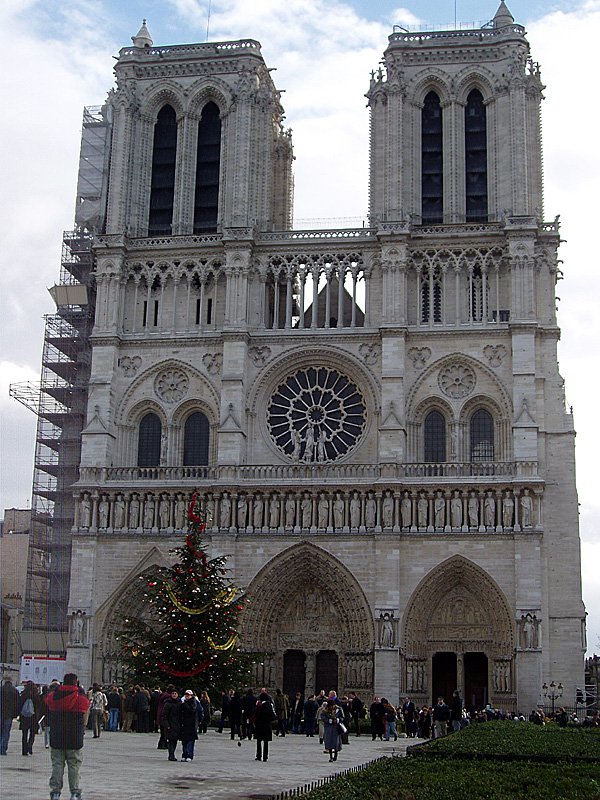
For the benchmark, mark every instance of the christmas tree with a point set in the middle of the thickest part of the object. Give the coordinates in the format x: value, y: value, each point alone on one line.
x: 189, y: 625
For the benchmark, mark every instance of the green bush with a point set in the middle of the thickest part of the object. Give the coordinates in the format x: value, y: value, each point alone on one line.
x: 491, y: 761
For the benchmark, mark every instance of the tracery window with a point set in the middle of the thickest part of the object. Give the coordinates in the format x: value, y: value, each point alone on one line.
x: 434, y: 439
x: 195, y: 440
x: 149, y: 441
x: 476, y: 158
x: 208, y: 162
x: 431, y: 295
x: 482, y: 436
x: 478, y: 295
x: 162, y: 188
x: 432, y: 178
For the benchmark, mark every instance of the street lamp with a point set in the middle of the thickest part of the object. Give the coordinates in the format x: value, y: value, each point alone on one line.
x: 553, y: 693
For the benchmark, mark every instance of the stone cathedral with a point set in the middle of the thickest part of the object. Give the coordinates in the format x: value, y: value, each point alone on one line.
x: 374, y: 416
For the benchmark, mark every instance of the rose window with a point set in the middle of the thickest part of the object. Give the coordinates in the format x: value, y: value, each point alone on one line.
x: 316, y: 415
x: 171, y: 385
x: 457, y: 380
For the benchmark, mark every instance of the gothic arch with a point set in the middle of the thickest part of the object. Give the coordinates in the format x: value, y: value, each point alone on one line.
x: 161, y: 94
x: 469, y: 79
x: 301, y: 571
x: 430, y: 80
x: 216, y: 91
x: 461, y: 588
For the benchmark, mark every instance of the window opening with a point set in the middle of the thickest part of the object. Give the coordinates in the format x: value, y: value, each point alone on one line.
x: 482, y: 436
x: 145, y: 314
x: 208, y: 162
x: 435, y: 438
x: 209, y: 305
x: 432, y: 175
x: 155, y: 313
x: 476, y: 158
x: 195, y: 440
x: 198, y: 311
x: 149, y: 441
x: 162, y: 189
x: 431, y: 296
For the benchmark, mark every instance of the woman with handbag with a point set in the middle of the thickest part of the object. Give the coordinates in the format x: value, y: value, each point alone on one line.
x: 29, y: 714
x: 332, y: 718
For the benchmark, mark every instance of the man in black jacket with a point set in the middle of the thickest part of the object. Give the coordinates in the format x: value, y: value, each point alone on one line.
x: 9, y: 708
x: 68, y: 709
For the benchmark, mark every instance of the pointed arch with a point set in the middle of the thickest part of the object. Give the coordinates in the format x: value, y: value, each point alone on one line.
x: 300, y: 569
x: 483, y: 617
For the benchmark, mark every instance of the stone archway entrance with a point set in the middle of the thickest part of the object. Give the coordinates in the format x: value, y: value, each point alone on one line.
x: 458, y: 631
x: 310, y: 616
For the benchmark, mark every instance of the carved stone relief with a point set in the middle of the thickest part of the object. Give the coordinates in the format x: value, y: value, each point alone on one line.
x: 171, y: 385
x: 495, y: 354
x: 457, y: 380
x: 419, y: 356
x: 213, y: 362
x: 130, y: 365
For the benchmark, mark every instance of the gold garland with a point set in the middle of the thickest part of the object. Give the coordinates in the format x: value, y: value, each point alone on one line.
x: 228, y: 644
x: 224, y: 598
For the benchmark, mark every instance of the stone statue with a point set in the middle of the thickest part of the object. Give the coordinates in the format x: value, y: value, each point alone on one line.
x: 473, y: 510
x: 456, y: 510
x: 497, y: 676
x: 274, y: 512
x: 439, y: 507
x: 163, y: 449
x: 409, y: 677
x: 309, y: 443
x: 164, y: 511
x: 508, y: 506
x: 77, y: 627
x: 422, y: 511
x: 210, y: 511
x: 290, y: 511
x: 526, y: 509
x: 370, y: 511
x: 387, y: 509
x: 85, y: 511
x: 225, y: 509
x: 321, y: 451
x: 103, y: 512
x: 296, y: 445
x: 149, y: 512
x: 119, y: 512
x: 406, y: 510
x: 338, y: 511
x: 306, y: 510
x: 134, y: 512
x: 527, y: 631
x: 180, y: 513
x: 386, y: 630
x: 323, y: 511
x: 489, y: 510
x: 257, y: 511
x: 355, y: 510
x: 242, y: 511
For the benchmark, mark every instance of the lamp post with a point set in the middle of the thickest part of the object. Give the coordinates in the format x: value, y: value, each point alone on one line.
x: 553, y: 693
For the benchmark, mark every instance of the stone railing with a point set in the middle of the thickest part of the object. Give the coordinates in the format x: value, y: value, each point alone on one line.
x: 426, y: 37
x: 427, y: 509
x: 258, y: 474
x: 190, y: 50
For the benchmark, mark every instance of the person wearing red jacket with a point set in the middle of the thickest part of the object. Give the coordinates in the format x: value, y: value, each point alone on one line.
x: 68, y: 710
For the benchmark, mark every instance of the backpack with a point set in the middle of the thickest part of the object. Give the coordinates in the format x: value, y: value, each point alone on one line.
x: 28, y: 709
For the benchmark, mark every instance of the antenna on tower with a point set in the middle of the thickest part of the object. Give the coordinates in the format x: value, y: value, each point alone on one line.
x: 454, y: 14
x: 208, y: 20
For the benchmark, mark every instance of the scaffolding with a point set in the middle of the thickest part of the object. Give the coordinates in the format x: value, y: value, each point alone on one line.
x: 59, y: 399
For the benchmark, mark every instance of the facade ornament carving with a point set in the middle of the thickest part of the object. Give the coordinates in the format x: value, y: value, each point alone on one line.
x: 370, y: 353
x: 171, y: 385
x: 457, y: 380
x: 529, y: 631
x: 259, y: 354
x: 419, y: 356
x: 130, y: 365
x: 78, y: 628
x: 495, y: 354
x: 213, y: 362
x: 386, y: 629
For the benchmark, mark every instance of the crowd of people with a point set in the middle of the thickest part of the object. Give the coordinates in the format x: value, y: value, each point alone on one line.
x: 62, y: 711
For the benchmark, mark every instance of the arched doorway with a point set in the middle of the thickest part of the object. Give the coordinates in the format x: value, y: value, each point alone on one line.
x: 457, y: 628
x: 306, y: 605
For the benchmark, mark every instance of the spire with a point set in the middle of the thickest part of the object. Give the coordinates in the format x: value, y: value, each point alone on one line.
x: 503, y: 17
x: 142, y: 38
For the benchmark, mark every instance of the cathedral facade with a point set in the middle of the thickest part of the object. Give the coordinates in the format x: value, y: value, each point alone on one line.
x: 374, y: 417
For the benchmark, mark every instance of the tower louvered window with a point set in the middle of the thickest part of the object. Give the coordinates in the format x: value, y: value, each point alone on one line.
x: 432, y: 179
x: 476, y: 158
x: 431, y: 296
x: 208, y: 163
x: 195, y: 440
x: 162, y: 191
x: 149, y: 441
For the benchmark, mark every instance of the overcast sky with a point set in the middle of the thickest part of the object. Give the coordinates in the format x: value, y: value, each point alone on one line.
x: 57, y: 57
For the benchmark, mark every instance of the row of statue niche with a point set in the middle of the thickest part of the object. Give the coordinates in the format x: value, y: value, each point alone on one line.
x: 529, y: 631
x: 502, y: 681
x: 275, y: 511
x: 415, y: 676
x: 359, y: 672
x: 137, y: 511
